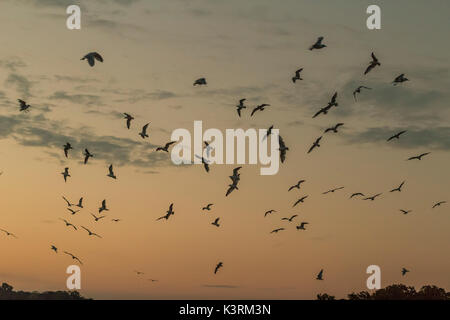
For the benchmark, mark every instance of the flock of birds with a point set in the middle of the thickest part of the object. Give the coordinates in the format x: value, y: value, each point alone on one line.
x: 235, y: 177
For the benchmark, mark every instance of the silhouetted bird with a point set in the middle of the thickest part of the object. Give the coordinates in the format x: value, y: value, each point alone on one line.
x: 405, y: 211
x: 200, y: 82
x: 68, y: 224
x: 316, y: 144
x: 73, y: 257
x: 372, y: 64
x: 419, y: 157
x: 90, y: 233
x: 396, y: 136
x: 218, y: 266
x: 208, y: 207
x: 291, y: 218
x: 80, y: 203
x: 91, y: 57
x: 205, y: 163
x: 297, y: 75
x: 358, y: 90
x: 302, y: 226
x: 231, y: 187
x: 320, y: 275
x: 335, y: 128
x: 97, y: 218
x: 399, y: 79
x: 269, y: 212
x: 240, y: 106
x: 296, y: 185
x: 333, y: 190
x: 87, y: 155
x: 216, y: 222
x: 116, y: 220
x: 143, y: 133
x: 399, y: 188
x: 302, y: 199
x: 166, y: 146
x: 318, y: 44
x: 277, y: 230
x: 54, y: 248
x: 65, y: 174
x: 111, y: 172
x: 67, y: 201
x: 357, y: 194
x: 438, y: 204
x: 372, y: 198
x: 282, y: 148
x: 103, y: 207
x: 72, y: 212
x: 23, y: 106
x: 67, y: 147
x: 128, y: 117
x: 404, y: 271
x: 259, y: 108
x: 9, y: 234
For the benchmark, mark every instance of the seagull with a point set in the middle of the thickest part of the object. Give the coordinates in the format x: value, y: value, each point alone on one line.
x: 73, y: 257
x: 87, y: 155
x: 291, y: 218
x: 216, y: 222
x: 143, y: 133
x: 166, y: 146
x: 8, y: 233
x: 333, y: 190
x: 277, y: 230
x: 332, y: 103
x: 302, y: 199
x: 240, y: 106
x: 67, y: 147
x: 68, y: 202
x: 205, y: 162
x: 405, y: 211
x: 54, y: 248
x: 97, y: 218
x: 438, y: 204
x: 399, y: 188
x: 199, y: 82
x: 296, y: 185
x: 236, y: 175
x: 397, y: 135
x: 90, y: 232
x: 357, y: 194
x: 111, y: 172
x: 231, y: 187
x: 358, y: 90
x: 80, y: 203
x: 129, y: 118
x: 168, y: 214
x: 208, y: 207
x: 23, y: 105
x: 318, y: 44
x: 91, y: 57
x: 324, y: 110
x: 302, y: 226
x: 404, y: 271
x: 152, y: 280
x: 218, y: 266
x: 259, y: 108
x: 65, y: 174
x: 116, y: 220
x: 334, y: 129
x: 320, y: 275
x: 268, y: 132
x: 315, y: 144
x: 282, y: 149
x: 72, y: 212
x: 372, y: 64
x: 419, y: 157
x: 139, y: 273
x: 103, y: 207
x: 68, y: 224
x: 373, y: 197
x: 399, y: 79
x: 269, y: 212
x: 297, y: 75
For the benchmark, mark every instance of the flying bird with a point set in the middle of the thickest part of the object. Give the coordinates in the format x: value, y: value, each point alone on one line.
x: 68, y: 224
x: 205, y: 162
x: 318, y: 44
x: 291, y: 218
x: 333, y: 103
x: 91, y: 57
x: 277, y: 230
x: 269, y: 212
x: 97, y: 218
x: 404, y: 271
x: 73, y: 257
x: 399, y: 79
x: 216, y: 222
x: 166, y: 146
x: 297, y: 185
x: 54, y: 248
x: 372, y: 64
x: 259, y: 108
x: 268, y: 132
x: 90, y: 233
x: 218, y: 266
x: 168, y: 213
x: 65, y: 174
x: 111, y: 172
x: 87, y: 155
x: 335, y: 128
x: 72, y: 212
x: 357, y: 194
x: 67, y: 201
x: 143, y: 133
x: 323, y: 110
x: 116, y: 220
x: 320, y: 275
x: 128, y: 117
x: 208, y: 207
x: 405, y: 211
x: 103, y: 207
x: 23, y: 105
x: 80, y: 203
x: 372, y: 198
x: 231, y: 187
x: 358, y: 90
x: 9, y: 234
x: 240, y: 106
x: 438, y: 204
x: 419, y: 157
x: 67, y: 147
x: 396, y: 136
x: 333, y: 190
x: 302, y: 226
x: 282, y: 148
x: 302, y: 199
x: 316, y: 144
x: 399, y: 188
x: 200, y: 82
x: 297, y: 75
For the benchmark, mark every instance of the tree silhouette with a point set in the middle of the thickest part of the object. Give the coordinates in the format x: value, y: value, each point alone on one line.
x: 7, y: 293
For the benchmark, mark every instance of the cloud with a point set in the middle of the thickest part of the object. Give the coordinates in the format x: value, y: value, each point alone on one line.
x: 135, y: 96
x: 22, y: 84
x: 12, y: 63
x: 85, y: 99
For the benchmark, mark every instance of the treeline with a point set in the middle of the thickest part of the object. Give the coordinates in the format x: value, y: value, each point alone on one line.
x: 7, y: 293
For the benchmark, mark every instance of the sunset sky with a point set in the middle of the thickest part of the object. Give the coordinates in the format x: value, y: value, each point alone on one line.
x: 153, y: 52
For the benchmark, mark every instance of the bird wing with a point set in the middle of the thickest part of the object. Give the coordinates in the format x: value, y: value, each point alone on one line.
x: 97, y: 56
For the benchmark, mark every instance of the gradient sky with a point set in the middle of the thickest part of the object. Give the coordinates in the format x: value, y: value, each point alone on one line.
x: 153, y: 52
